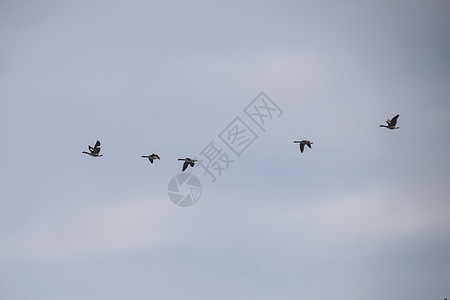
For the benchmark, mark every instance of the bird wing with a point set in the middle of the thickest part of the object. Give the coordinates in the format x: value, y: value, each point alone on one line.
x: 185, y: 165
x: 192, y: 164
x: 96, y: 150
x: 309, y: 144
x: 394, y: 120
x: 302, y: 146
x: 151, y: 160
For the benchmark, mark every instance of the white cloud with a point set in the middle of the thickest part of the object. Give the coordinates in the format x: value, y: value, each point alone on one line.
x: 94, y: 229
x: 370, y: 216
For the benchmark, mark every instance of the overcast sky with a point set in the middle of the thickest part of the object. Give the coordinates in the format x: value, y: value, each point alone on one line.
x: 364, y: 214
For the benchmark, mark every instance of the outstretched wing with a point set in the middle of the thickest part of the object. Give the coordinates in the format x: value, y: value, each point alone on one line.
x: 91, y: 149
x: 302, y: 147
x: 96, y: 148
x: 192, y: 164
x: 151, y: 160
x: 309, y: 145
x: 394, y: 120
x: 185, y: 165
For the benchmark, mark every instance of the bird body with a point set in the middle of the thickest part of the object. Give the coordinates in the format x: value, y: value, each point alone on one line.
x: 391, y: 124
x: 151, y: 157
x: 187, y: 161
x: 303, y: 143
x: 94, y: 151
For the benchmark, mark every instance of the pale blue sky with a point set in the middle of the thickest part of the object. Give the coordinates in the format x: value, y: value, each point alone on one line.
x: 364, y: 214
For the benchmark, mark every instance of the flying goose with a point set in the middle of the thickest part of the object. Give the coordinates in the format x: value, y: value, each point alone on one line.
x: 94, y: 151
x: 187, y: 161
x: 303, y: 143
x: 151, y: 157
x: 391, y: 123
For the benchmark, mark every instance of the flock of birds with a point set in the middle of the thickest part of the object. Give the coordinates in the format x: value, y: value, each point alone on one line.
x: 391, y: 124
x: 95, y: 151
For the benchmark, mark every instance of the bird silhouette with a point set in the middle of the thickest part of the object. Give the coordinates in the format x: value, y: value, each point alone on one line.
x: 187, y: 161
x: 303, y: 143
x: 151, y: 157
x: 94, y: 151
x: 391, y: 124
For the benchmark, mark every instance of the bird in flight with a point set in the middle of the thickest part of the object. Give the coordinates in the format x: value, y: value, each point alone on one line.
x: 303, y: 143
x: 391, y: 124
x: 94, y: 151
x: 187, y: 161
x: 151, y: 157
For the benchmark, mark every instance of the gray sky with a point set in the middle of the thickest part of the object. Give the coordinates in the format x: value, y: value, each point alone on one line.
x: 364, y: 214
